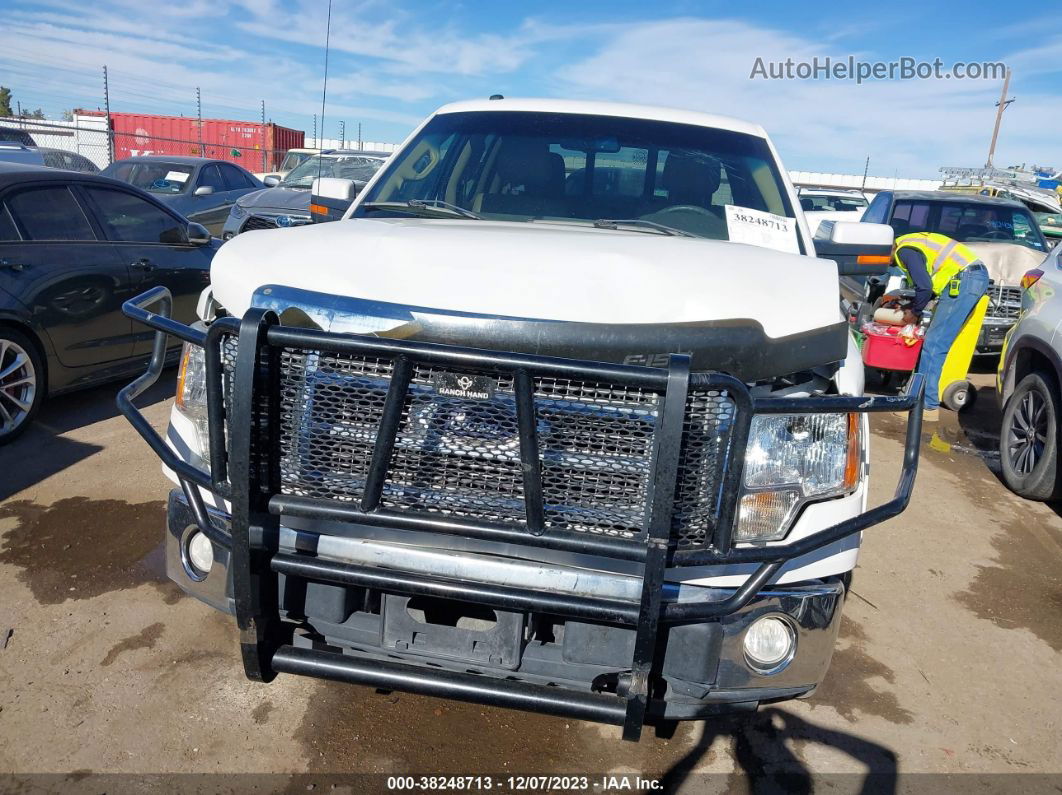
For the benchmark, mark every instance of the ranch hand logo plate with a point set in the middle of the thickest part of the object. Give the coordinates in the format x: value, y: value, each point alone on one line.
x: 470, y: 387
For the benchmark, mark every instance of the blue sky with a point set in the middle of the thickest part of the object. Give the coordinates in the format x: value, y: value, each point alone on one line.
x: 394, y: 62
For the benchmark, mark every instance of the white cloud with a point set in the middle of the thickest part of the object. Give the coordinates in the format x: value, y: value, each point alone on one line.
x: 908, y: 127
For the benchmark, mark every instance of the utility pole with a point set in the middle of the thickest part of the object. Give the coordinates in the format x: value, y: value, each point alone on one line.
x: 107, y: 108
x: 315, y: 145
x: 199, y: 119
x: 360, y: 147
x: 265, y: 143
x: 1000, y: 107
x: 342, y: 135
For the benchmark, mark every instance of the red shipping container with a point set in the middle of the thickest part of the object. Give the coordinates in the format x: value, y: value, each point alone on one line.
x: 885, y: 349
x: 251, y: 144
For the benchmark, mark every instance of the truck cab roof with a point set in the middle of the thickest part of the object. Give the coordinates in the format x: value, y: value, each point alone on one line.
x: 619, y: 109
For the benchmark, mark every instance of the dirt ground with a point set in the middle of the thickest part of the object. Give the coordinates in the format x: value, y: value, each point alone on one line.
x: 949, y: 660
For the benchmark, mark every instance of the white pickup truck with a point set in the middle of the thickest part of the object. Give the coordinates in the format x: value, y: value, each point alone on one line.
x: 562, y: 416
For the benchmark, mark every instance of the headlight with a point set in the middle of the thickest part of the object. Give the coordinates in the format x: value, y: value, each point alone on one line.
x: 191, y: 393
x: 237, y: 212
x: 792, y: 459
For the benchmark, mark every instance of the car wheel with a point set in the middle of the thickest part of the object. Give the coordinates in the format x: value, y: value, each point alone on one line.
x: 1028, y: 441
x: 21, y: 383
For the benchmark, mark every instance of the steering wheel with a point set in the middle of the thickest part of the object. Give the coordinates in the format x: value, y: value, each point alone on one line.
x: 685, y: 208
x: 995, y: 234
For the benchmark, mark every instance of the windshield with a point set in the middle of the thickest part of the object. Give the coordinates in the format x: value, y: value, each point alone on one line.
x: 153, y: 176
x: 293, y: 159
x: 522, y: 166
x: 356, y: 167
x: 815, y: 202
x: 972, y: 222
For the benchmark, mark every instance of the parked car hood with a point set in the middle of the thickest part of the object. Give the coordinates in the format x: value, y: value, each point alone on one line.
x: 534, y: 270
x: 278, y: 198
x: 1007, y: 262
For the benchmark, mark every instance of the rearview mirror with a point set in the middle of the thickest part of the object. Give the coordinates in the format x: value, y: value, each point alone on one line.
x: 330, y: 197
x: 271, y: 180
x: 859, y: 249
x: 198, y: 235
x: 203, y: 190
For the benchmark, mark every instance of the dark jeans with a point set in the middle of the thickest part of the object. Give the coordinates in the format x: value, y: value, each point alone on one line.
x: 948, y: 317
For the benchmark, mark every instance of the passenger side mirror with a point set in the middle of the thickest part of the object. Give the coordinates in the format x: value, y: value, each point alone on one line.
x: 271, y: 180
x: 198, y: 235
x: 859, y: 249
x: 203, y: 190
x: 330, y: 197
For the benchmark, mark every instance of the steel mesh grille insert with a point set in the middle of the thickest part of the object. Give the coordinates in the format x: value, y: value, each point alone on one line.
x: 461, y: 457
x: 706, y: 432
x: 330, y: 408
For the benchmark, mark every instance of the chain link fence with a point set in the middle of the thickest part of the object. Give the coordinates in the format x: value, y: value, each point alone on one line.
x: 89, y: 143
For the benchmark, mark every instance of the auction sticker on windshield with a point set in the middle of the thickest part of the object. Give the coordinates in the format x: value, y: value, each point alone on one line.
x: 176, y: 176
x: 757, y: 228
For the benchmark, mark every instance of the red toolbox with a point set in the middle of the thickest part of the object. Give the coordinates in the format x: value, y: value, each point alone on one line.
x: 886, y: 349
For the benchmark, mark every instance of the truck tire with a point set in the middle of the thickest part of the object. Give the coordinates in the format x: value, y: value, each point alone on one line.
x: 21, y: 383
x: 1028, y: 440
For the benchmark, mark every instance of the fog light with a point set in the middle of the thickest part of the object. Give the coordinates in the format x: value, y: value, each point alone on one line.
x: 769, y: 644
x: 200, y: 553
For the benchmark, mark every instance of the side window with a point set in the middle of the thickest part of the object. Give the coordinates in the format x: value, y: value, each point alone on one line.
x: 130, y: 219
x: 877, y: 212
x: 234, y: 178
x: 7, y: 226
x: 910, y: 217
x: 50, y: 214
x: 210, y: 176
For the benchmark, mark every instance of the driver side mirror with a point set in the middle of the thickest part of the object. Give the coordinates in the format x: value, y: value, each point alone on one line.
x: 203, y: 190
x: 860, y: 249
x: 271, y: 180
x: 197, y: 234
x: 330, y: 197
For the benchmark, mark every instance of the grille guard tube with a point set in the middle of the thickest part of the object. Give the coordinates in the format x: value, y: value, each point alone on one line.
x: 257, y: 502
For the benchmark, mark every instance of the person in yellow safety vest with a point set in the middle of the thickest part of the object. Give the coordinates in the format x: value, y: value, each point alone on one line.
x: 937, y: 266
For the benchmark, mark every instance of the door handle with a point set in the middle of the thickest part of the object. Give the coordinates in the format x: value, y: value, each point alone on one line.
x: 15, y: 266
x: 144, y: 265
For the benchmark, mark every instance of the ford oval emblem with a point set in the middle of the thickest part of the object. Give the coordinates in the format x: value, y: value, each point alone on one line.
x: 283, y: 220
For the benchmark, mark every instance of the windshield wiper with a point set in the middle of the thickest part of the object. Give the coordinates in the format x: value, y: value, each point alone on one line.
x: 616, y: 223
x: 418, y: 204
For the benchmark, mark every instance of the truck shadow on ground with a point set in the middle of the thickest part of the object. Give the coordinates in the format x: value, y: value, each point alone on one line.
x: 767, y: 746
x: 43, y: 450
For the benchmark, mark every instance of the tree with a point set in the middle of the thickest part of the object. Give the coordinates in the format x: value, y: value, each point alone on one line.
x: 68, y: 115
x: 5, y: 101
x: 37, y: 114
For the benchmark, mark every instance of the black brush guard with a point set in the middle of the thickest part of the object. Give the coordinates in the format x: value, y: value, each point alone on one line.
x: 252, y: 489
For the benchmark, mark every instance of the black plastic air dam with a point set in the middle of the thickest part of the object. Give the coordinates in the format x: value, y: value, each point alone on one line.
x: 739, y: 346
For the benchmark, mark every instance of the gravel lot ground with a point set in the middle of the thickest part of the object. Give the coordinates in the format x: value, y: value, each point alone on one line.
x: 948, y: 661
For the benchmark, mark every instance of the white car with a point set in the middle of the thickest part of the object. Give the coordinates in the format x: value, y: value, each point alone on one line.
x: 822, y: 204
x: 293, y: 157
x: 1029, y: 385
x: 539, y: 395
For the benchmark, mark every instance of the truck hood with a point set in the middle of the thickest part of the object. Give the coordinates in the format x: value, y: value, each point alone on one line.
x: 277, y: 199
x: 629, y: 292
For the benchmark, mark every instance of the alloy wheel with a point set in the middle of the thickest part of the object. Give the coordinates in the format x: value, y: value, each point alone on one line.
x: 18, y: 385
x: 1027, y: 435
